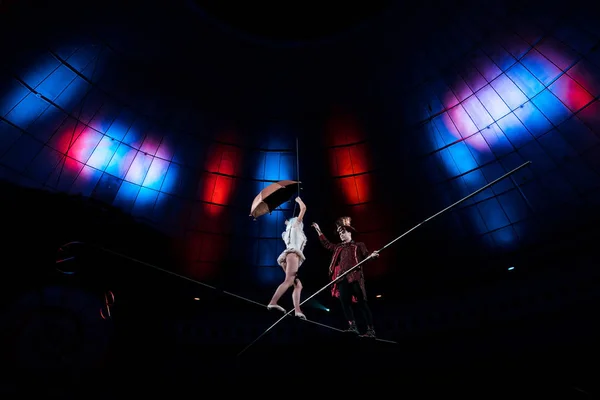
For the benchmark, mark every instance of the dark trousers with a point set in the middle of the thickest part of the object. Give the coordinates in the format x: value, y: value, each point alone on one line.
x: 349, y: 289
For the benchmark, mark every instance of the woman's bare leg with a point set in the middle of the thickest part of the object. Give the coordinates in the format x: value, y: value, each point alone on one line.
x: 296, y: 296
x: 290, y: 274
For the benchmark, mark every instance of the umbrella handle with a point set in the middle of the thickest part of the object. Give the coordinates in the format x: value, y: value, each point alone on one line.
x: 297, y: 174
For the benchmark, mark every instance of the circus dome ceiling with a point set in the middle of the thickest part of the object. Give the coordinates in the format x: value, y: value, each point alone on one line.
x: 170, y: 113
x: 176, y: 114
x: 285, y: 21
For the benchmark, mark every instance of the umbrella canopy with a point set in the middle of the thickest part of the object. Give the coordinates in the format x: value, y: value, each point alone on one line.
x: 272, y: 197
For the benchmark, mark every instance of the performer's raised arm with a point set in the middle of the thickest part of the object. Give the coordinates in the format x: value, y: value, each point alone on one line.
x: 296, y: 232
x: 302, y: 209
x: 326, y: 243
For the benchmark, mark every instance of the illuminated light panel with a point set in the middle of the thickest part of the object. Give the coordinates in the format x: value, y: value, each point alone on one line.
x: 144, y: 202
x: 508, y: 93
x: 350, y: 165
x: 476, y: 113
x: 572, y: 94
x: 460, y: 89
x: 150, y: 145
x: 139, y: 168
x: 449, y: 99
x: 26, y: 111
x: 126, y: 196
x: 587, y: 75
x: 65, y: 174
x: 172, y: 177
x: 271, y: 165
x: 215, y: 191
x: 350, y: 162
x: 115, y: 142
x: 14, y: 93
x: 35, y: 73
x: 540, y: 67
x: 156, y: 174
x: 557, y: 52
x: 135, y: 137
x: 121, y: 161
x: 102, y: 153
x: 84, y: 145
x: 356, y: 189
x: 217, y: 186
x: 493, y: 103
x: 48, y: 77
x: 116, y: 129
x: 521, y: 101
x: 165, y: 148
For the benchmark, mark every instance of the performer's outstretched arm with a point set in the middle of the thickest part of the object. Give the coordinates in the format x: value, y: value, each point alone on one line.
x: 296, y: 231
x: 302, y: 209
x: 365, y: 252
x: 326, y: 243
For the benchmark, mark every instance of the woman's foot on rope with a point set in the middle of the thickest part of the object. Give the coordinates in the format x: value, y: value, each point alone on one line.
x: 300, y: 315
x: 276, y: 307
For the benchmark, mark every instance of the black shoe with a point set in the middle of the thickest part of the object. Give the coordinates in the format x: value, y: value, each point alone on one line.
x: 352, y: 329
x: 370, y: 334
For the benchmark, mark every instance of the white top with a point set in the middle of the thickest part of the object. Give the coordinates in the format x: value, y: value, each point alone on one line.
x: 295, y: 241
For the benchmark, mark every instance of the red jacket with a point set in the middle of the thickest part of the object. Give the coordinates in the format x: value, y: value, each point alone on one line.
x: 346, y: 256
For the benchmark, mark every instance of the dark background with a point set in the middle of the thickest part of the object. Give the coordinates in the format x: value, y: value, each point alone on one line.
x: 219, y: 95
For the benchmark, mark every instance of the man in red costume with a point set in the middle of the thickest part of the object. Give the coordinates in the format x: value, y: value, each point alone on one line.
x: 351, y: 288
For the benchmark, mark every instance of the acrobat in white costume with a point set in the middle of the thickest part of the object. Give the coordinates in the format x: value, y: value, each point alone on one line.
x: 290, y: 260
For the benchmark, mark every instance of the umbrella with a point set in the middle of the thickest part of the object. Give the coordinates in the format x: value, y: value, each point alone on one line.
x: 272, y: 197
